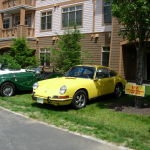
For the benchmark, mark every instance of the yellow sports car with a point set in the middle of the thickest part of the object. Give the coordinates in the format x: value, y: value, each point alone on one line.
x: 79, y: 85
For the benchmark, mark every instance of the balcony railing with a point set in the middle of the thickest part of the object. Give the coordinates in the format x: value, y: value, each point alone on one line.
x: 17, y: 32
x: 7, y: 33
x: 30, y: 32
x: 12, y: 3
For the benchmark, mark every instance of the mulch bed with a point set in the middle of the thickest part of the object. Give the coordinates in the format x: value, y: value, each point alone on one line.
x: 133, y: 110
x: 130, y: 108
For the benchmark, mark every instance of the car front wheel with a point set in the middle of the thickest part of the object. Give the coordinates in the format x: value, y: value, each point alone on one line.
x: 118, y: 91
x: 79, y: 100
x: 7, y: 89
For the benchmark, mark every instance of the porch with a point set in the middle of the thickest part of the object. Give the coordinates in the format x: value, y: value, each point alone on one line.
x: 15, y: 32
x: 12, y: 3
x: 129, y: 59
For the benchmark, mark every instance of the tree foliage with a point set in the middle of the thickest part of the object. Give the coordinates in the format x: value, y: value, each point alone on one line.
x: 134, y: 16
x: 22, y: 54
x: 9, y: 62
x: 67, y: 52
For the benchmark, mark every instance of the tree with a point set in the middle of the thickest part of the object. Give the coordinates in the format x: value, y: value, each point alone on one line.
x: 134, y: 15
x: 8, y: 62
x: 67, y: 52
x: 22, y: 54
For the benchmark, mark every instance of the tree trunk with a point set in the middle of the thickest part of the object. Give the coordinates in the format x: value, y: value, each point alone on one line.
x: 139, y: 101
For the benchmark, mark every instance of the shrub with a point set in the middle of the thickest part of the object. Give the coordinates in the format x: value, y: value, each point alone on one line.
x: 67, y: 52
x: 9, y: 62
x: 22, y: 54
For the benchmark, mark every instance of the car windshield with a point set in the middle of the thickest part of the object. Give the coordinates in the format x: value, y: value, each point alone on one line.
x: 81, y: 72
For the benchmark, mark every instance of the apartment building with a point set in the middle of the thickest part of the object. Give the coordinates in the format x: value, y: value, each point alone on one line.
x: 41, y: 21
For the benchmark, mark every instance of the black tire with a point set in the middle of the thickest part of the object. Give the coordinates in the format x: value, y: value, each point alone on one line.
x: 79, y: 99
x: 118, y: 91
x: 7, y: 89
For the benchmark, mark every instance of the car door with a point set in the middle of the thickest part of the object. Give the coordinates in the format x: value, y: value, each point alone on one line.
x: 25, y: 80
x: 104, y: 83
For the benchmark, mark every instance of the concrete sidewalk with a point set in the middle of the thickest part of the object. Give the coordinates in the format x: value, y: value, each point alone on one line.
x: 20, y: 133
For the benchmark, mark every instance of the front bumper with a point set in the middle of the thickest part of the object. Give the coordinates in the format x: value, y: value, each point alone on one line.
x: 51, y: 101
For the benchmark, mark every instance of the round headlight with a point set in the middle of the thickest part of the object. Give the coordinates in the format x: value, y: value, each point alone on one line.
x: 35, y: 86
x: 63, y: 89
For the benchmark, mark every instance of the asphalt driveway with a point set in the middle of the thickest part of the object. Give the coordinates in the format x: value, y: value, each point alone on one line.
x: 20, y: 133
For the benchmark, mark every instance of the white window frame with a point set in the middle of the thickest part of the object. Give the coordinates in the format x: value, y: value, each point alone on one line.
x: 46, y: 19
x: 44, y: 51
x: 63, y: 12
x: 106, y: 4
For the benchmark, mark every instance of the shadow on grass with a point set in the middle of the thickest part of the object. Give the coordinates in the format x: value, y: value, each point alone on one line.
x: 110, y: 102
x: 23, y: 92
x: 104, y: 102
x: 64, y: 108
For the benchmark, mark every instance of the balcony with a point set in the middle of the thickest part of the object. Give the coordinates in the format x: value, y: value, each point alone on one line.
x: 17, y: 32
x: 14, y: 3
x: 7, y: 33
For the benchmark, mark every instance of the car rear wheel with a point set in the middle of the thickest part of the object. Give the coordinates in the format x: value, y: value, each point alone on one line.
x: 118, y: 91
x: 7, y: 89
x: 79, y: 100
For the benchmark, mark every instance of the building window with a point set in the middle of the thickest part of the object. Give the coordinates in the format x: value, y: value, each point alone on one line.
x: 6, y: 23
x: 105, y: 56
x: 46, y: 20
x: 45, y: 56
x: 16, y: 21
x: 107, y: 13
x: 72, y: 16
x: 28, y: 20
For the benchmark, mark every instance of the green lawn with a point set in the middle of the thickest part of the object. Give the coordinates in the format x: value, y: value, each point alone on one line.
x: 97, y: 119
x: 147, y: 90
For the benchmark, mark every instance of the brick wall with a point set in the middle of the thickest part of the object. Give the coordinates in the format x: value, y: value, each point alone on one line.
x: 91, y: 47
x: 116, y: 49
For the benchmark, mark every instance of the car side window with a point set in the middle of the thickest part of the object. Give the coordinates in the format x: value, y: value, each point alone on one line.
x: 112, y: 73
x: 102, y: 73
x: 89, y: 73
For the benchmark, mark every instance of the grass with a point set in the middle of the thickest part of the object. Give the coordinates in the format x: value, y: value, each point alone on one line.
x: 96, y: 119
x: 147, y: 90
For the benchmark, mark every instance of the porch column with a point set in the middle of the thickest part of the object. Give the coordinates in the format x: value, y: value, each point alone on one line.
x: 21, y: 29
x: 1, y: 25
x: 22, y: 16
x: 22, y: 2
x: 1, y: 20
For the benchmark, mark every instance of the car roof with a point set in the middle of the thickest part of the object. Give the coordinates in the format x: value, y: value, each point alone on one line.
x: 96, y: 66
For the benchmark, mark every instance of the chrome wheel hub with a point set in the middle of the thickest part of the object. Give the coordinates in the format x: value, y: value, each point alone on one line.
x: 80, y: 100
x: 7, y: 91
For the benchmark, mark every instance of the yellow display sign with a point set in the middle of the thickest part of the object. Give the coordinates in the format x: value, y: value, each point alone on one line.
x: 133, y: 89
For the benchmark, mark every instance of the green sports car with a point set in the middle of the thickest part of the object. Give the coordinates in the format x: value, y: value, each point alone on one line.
x: 20, y: 80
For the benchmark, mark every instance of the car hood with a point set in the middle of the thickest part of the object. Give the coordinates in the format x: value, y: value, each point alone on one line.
x: 56, y: 83
x: 52, y: 87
